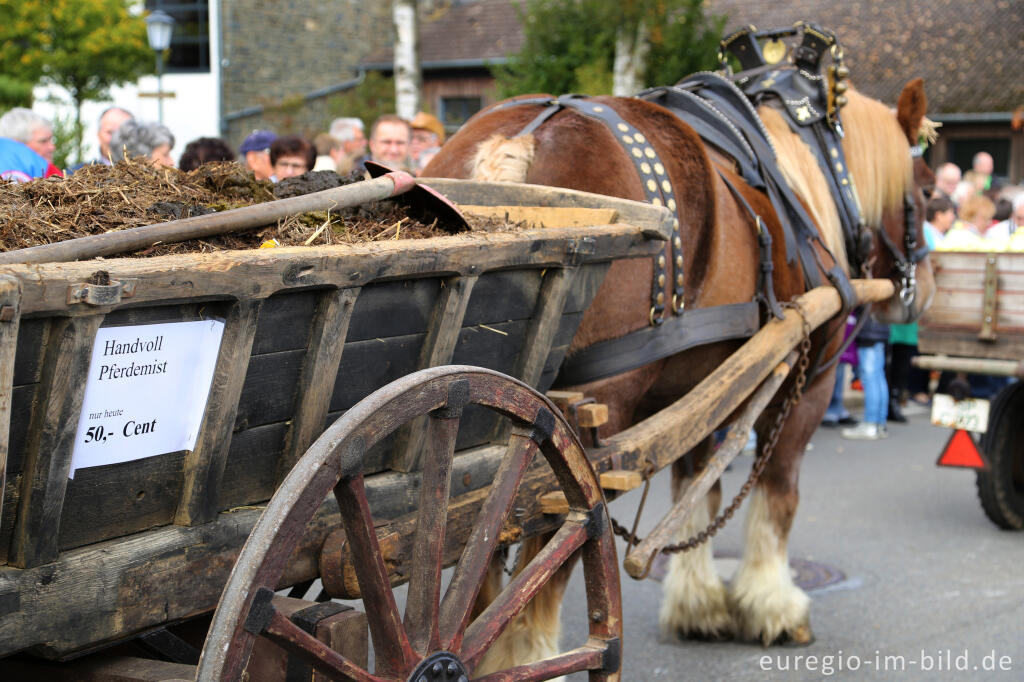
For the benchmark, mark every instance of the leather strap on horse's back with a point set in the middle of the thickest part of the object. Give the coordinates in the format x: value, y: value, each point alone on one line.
x: 653, y: 174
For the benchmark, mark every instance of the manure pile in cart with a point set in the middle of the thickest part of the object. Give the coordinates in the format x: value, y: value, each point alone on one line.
x: 98, y: 199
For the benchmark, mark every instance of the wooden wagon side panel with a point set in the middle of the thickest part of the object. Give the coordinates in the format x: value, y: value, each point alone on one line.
x: 282, y: 373
x: 953, y: 324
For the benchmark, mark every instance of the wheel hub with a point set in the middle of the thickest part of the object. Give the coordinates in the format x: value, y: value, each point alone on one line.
x: 440, y: 667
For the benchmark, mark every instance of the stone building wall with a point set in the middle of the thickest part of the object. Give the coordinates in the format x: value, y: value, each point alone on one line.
x: 276, y: 51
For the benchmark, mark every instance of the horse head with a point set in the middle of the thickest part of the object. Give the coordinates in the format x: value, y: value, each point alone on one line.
x: 889, y: 183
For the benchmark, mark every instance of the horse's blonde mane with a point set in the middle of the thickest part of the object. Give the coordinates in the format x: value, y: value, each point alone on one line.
x: 502, y: 159
x: 804, y: 176
x: 878, y: 154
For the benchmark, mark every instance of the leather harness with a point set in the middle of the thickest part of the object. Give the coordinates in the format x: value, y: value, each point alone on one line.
x: 722, y: 112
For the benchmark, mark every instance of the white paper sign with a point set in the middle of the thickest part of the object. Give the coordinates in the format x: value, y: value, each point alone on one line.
x: 146, y: 391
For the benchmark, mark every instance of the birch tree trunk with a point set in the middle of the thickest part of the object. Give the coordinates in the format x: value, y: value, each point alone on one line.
x: 631, y: 48
x: 408, y: 80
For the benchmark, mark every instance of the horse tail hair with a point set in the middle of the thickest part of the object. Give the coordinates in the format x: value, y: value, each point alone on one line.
x: 503, y: 159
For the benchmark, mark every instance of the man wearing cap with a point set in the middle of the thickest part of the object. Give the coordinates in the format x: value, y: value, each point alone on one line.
x: 427, y: 138
x: 255, y: 150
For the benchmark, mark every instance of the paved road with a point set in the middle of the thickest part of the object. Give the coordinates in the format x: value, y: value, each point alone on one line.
x: 922, y: 582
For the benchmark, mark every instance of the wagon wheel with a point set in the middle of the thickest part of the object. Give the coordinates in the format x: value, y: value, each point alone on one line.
x: 436, y: 640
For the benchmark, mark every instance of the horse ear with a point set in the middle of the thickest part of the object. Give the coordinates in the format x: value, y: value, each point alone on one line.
x: 911, y: 108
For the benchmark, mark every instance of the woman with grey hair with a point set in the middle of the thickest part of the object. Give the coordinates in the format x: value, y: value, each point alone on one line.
x: 153, y: 141
x: 29, y: 128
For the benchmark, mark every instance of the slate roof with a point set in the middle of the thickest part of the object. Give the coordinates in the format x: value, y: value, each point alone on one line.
x: 465, y: 32
x: 970, y: 52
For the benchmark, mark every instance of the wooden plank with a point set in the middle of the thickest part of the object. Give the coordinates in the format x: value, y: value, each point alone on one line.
x: 51, y: 440
x: 965, y: 343
x: 539, y: 216
x: 554, y: 503
x: 100, y: 668
x: 591, y: 415
x: 960, y: 260
x: 319, y: 371
x: 10, y: 319
x: 467, y: 192
x: 974, y: 280
x: 204, y: 466
x: 438, y: 349
x: 243, y: 274
x: 544, y: 323
x: 561, y: 399
x: 621, y: 479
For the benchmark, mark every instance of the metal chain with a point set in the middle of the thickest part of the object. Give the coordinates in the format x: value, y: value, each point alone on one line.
x: 795, y: 393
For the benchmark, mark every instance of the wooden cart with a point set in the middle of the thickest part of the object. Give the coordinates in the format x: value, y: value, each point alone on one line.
x: 976, y: 326
x: 133, y: 551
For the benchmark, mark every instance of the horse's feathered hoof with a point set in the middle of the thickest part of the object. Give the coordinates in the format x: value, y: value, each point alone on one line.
x: 704, y: 636
x: 801, y: 636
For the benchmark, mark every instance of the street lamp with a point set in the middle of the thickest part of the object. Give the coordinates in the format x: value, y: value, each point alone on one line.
x: 159, y: 26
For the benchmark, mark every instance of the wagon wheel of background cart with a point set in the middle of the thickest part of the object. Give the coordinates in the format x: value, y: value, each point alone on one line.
x: 1001, y: 488
x: 436, y: 640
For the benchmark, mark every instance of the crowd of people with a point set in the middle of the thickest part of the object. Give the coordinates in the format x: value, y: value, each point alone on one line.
x: 27, y: 146
x: 967, y: 211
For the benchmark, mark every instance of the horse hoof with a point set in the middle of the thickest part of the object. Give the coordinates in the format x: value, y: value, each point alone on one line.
x: 800, y: 636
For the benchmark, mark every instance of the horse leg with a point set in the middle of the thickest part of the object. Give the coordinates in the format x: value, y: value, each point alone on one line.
x: 767, y: 605
x: 532, y: 635
x: 694, y: 601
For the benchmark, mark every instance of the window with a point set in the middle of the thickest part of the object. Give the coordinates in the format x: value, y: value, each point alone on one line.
x: 456, y: 110
x: 190, y: 41
x: 963, y: 149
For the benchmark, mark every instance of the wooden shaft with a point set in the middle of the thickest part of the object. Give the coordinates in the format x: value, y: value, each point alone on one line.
x: 639, y: 560
x: 1003, y: 368
x: 198, y: 227
x: 678, y: 428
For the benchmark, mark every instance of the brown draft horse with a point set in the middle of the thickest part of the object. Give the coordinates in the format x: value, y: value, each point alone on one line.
x: 720, y: 266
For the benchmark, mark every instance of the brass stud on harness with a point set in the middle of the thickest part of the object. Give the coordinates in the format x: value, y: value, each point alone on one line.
x: 656, y: 201
x: 637, y: 152
x: 623, y: 127
x: 666, y: 186
x: 672, y: 204
x: 659, y: 169
x: 649, y: 153
x: 652, y: 186
x: 639, y: 137
x: 661, y: 261
x: 645, y: 168
x: 661, y: 280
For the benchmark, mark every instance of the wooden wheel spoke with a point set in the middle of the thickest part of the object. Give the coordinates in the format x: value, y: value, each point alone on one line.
x: 520, y: 590
x: 472, y: 567
x: 584, y: 658
x: 297, y: 641
x: 390, y: 641
x: 421, y: 610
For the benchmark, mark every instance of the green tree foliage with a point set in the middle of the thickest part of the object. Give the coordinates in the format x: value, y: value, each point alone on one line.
x: 569, y: 45
x: 21, y: 52
x: 84, y: 46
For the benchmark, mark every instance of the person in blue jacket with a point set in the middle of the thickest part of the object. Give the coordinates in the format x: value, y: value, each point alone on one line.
x: 18, y: 163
